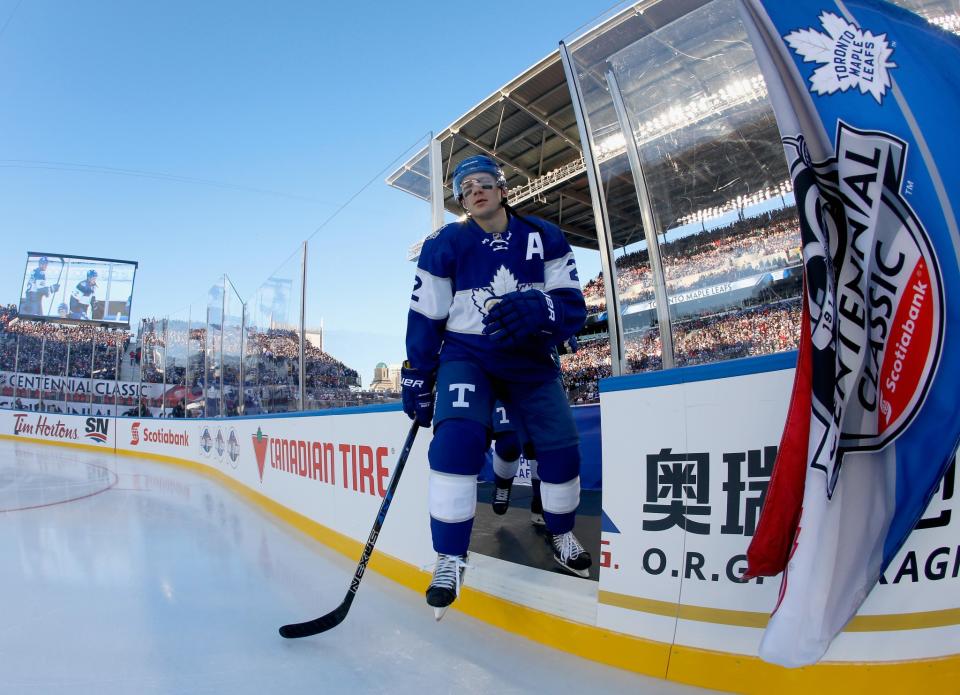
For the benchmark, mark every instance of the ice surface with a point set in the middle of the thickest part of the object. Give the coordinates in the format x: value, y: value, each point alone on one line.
x: 128, y: 576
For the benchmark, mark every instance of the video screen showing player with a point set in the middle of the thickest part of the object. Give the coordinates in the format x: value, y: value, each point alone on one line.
x: 77, y: 289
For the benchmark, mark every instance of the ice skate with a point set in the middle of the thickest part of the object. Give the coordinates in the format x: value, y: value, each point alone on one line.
x: 536, y: 505
x: 502, y: 487
x: 447, y: 580
x: 570, y: 555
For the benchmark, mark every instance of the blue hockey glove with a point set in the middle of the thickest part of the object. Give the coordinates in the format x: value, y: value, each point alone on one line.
x: 518, y: 316
x: 417, y: 394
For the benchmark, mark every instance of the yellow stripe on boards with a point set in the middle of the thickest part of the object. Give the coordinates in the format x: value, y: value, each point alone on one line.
x: 723, y: 616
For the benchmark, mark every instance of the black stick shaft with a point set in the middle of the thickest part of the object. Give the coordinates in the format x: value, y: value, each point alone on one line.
x: 336, y: 616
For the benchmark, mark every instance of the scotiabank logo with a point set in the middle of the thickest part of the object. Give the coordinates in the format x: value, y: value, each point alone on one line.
x: 360, y: 467
x: 161, y: 436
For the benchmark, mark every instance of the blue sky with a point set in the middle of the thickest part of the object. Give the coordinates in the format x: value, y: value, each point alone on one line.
x: 285, y: 109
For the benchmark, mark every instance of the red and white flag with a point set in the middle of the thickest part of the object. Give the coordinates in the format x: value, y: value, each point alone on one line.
x: 859, y: 89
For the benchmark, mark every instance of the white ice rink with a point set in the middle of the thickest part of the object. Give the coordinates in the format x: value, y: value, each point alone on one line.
x: 127, y: 576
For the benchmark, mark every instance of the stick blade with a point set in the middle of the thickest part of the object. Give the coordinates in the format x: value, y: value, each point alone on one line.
x: 315, y: 626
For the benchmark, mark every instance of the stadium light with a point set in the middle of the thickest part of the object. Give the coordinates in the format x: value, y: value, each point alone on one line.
x: 741, y: 201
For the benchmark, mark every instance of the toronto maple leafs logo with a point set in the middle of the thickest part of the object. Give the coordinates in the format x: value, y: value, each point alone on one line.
x: 503, y: 283
x: 852, y: 57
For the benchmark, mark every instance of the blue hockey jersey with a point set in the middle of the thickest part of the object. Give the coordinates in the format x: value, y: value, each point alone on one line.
x: 81, y: 300
x: 37, y: 282
x: 462, y: 268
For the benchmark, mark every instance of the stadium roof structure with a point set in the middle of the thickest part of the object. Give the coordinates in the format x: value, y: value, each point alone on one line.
x: 700, y: 116
x: 529, y: 126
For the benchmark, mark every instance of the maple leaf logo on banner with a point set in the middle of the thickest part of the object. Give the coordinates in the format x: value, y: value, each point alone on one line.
x: 851, y: 57
x: 260, y: 441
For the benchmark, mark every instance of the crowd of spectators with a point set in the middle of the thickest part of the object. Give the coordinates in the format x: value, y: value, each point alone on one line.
x: 754, y: 331
x: 62, y: 350
x: 744, y: 248
x: 271, y: 369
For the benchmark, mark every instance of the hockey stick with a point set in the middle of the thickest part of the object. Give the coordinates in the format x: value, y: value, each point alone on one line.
x: 53, y: 297
x: 336, y: 616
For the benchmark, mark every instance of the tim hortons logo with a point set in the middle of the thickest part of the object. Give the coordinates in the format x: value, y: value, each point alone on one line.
x: 43, y: 427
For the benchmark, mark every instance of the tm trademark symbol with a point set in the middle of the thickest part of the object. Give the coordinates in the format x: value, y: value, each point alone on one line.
x: 909, y: 188
x: 893, y: 44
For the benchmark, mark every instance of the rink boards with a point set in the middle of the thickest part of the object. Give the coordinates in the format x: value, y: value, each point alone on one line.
x: 686, y: 456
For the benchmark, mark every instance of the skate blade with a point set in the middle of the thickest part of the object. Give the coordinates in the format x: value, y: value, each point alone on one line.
x: 438, y: 613
x: 578, y: 573
x: 537, y: 520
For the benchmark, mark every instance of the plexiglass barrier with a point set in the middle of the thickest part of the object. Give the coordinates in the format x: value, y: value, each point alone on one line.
x: 271, y: 337
x: 687, y: 145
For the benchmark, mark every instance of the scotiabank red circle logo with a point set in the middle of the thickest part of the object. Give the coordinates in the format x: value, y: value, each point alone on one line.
x: 157, y: 436
x: 135, y: 433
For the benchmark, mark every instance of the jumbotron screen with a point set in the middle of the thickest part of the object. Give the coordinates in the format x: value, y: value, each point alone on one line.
x: 60, y: 287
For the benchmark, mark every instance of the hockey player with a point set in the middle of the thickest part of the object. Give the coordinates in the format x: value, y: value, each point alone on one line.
x: 507, y: 449
x: 37, y: 289
x: 82, y: 299
x: 492, y: 296
x: 506, y: 457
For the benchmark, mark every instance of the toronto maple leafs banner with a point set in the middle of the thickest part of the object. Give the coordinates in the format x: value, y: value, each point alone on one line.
x: 864, y: 97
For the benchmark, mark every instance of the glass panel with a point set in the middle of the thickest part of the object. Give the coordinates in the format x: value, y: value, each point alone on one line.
x: 30, y: 344
x: 152, y: 342
x: 177, y: 364
x: 254, y: 388
x: 716, y: 180
x: 28, y: 394
x: 632, y: 269
x: 273, y: 340
x: 196, y: 359
x: 710, y: 150
x: 232, y: 349
x: 8, y: 355
x: 78, y: 370
x: 54, y: 369
x: 213, y: 375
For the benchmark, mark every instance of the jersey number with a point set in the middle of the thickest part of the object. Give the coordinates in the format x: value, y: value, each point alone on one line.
x: 416, y: 286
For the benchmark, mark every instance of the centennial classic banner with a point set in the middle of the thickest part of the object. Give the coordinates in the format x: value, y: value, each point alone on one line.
x: 860, y: 90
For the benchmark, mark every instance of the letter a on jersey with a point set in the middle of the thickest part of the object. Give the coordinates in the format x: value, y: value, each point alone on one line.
x: 534, y: 246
